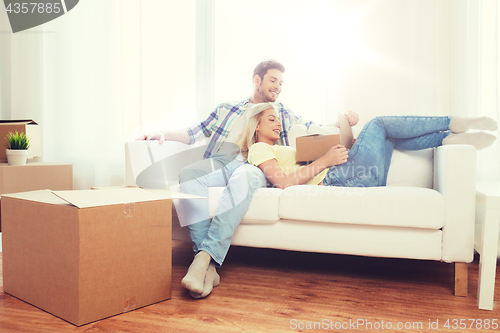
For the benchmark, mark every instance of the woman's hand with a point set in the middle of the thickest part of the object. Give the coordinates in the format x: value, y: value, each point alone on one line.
x: 334, y: 156
x: 352, y: 117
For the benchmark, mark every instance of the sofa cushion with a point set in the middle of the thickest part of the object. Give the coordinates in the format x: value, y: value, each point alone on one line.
x: 384, y: 206
x: 411, y: 168
x: 262, y: 210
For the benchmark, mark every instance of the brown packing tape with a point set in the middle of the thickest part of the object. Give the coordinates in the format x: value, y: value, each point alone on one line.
x: 129, y: 209
x: 130, y: 304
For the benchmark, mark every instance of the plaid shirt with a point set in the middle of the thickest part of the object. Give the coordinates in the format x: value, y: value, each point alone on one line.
x: 221, y: 120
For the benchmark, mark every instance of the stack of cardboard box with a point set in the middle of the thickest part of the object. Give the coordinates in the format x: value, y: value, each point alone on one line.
x: 80, y: 255
x: 34, y: 175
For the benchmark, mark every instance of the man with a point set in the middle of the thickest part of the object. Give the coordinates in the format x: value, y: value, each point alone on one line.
x: 223, y: 167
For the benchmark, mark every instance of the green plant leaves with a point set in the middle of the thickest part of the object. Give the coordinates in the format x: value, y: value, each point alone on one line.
x: 17, y: 141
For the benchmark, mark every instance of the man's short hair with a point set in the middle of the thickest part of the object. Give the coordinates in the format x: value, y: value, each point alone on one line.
x: 262, y: 68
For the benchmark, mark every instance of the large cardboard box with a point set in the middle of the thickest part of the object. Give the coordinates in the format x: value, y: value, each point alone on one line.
x: 87, y: 255
x: 32, y: 130
x: 35, y: 176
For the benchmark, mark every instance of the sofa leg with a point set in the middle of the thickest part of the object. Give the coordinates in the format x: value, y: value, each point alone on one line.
x: 461, y: 279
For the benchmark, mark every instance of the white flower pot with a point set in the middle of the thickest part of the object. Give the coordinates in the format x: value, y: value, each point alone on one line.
x: 17, y: 156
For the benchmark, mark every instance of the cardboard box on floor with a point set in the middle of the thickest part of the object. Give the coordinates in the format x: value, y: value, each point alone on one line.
x: 311, y: 147
x: 30, y: 128
x: 87, y: 255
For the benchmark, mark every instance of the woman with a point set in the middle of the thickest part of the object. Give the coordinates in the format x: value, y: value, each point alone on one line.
x: 367, y: 162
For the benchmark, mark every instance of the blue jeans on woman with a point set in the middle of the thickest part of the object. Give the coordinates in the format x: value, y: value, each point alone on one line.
x: 370, y: 156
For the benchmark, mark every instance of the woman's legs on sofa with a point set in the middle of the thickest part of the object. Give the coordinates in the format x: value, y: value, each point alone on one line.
x: 462, y: 124
x: 369, y: 158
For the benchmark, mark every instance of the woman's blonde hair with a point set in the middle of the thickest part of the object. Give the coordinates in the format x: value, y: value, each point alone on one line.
x: 249, y: 135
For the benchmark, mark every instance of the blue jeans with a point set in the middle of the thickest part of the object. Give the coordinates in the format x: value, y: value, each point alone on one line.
x: 370, y: 156
x: 240, y: 180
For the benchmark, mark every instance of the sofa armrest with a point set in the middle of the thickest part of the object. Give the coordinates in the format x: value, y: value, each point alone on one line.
x: 151, y: 162
x: 455, y: 179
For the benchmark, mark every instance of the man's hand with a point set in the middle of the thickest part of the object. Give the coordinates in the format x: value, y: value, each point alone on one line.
x: 352, y: 117
x: 152, y: 136
x: 180, y: 135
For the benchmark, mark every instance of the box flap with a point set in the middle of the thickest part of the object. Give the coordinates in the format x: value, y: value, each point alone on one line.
x: 309, y: 135
x: 346, y: 135
x: 24, y: 122
x: 44, y: 196
x: 168, y: 194
x: 96, y: 198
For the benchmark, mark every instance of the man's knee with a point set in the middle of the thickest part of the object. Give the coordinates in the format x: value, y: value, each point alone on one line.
x: 193, y: 171
x: 255, y: 177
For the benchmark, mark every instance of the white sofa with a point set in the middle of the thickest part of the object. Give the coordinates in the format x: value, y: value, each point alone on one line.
x: 426, y: 211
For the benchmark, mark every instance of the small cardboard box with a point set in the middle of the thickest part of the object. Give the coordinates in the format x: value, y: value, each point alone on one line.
x: 30, y: 128
x: 87, y: 255
x: 311, y: 147
x: 35, y: 176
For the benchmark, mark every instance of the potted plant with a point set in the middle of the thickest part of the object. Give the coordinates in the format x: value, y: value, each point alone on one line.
x: 17, y: 148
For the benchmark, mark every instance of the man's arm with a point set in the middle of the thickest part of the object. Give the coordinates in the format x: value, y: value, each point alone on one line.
x: 189, y: 135
x: 180, y: 135
x: 352, y: 117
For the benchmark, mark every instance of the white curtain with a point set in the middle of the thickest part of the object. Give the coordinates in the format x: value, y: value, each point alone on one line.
x: 478, y: 76
x: 102, y: 74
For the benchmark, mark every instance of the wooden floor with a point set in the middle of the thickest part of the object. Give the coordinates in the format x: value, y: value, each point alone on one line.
x: 279, y: 291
